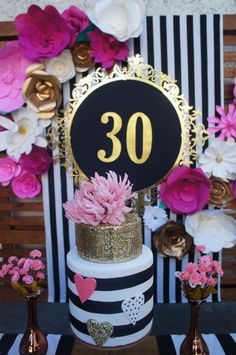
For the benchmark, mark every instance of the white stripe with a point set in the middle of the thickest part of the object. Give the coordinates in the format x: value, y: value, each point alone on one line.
x: 1, y: 335
x: 160, y: 278
x: 213, y: 344
x: 233, y: 335
x: 184, y: 56
x: 53, y: 340
x: 172, y: 280
x: 170, y: 46
x: 143, y: 43
x: 221, y: 60
x: 177, y: 340
x: 147, y: 237
x: 210, y: 64
x: 15, y: 346
x: 157, y: 42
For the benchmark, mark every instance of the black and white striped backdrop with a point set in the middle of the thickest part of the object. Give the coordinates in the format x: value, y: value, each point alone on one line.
x: 190, y: 50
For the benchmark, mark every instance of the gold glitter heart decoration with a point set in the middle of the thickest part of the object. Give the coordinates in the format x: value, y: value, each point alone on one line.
x: 100, y: 332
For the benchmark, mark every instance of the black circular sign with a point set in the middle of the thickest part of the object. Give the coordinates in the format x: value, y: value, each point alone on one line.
x: 128, y: 126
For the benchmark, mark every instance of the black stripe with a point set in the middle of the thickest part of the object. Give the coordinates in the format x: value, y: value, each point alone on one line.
x: 166, y: 279
x: 204, y: 69
x: 150, y: 46
x: 164, y: 66
x: 65, y: 345
x: 119, y: 330
x: 178, y: 291
x: 215, y: 296
x: 165, y: 345
x: 137, y: 48
x: 118, y: 283
x: 177, y: 51
x: 228, y: 344
x: 6, y: 343
x: 154, y: 251
x: 217, y: 58
x: 190, y: 40
x: 103, y: 307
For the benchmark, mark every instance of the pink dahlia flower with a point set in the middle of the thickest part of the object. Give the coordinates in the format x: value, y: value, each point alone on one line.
x: 186, y: 190
x: 76, y: 20
x: 12, y: 76
x: 9, y: 168
x: 26, y: 185
x: 106, y: 49
x: 42, y: 33
x: 37, y: 162
x: 226, y: 124
x: 100, y: 201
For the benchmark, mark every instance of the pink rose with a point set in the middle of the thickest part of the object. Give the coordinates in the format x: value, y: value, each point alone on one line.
x: 23, y: 271
x: 200, y: 248
x: 4, y: 269
x: 37, y: 162
x: 211, y: 281
x: 27, y: 264
x: 217, y: 268
x: 76, y: 20
x: 35, y: 253
x: 40, y: 275
x: 195, y: 278
x: 106, y: 49
x: 21, y: 261
x: 205, y: 259
x: 15, y: 277
x: 42, y: 33
x: 184, y: 276
x: 36, y: 265
x: 205, y: 267
x: 12, y: 76
x: 191, y: 268
x: 26, y: 185
x: 28, y: 279
x: 9, y: 168
x: 12, y: 259
x: 186, y: 190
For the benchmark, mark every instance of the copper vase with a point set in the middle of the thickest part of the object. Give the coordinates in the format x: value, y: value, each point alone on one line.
x: 194, y: 344
x: 33, y: 340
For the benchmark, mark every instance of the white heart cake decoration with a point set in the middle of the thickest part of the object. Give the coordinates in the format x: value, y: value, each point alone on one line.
x: 132, y: 306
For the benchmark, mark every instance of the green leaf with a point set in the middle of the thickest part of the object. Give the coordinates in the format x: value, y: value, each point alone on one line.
x: 82, y: 36
x: 162, y: 205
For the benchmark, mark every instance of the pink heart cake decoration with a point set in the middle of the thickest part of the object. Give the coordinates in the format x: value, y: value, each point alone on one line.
x: 85, y: 287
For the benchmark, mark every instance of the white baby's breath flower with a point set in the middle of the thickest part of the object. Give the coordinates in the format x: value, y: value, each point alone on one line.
x: 26, y: 130
x: 154, y: 217
x: 219, y: 159
x: 212, y: 229
x: 62, y: 66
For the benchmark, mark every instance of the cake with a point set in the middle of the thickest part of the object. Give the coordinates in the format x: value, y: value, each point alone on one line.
x: 110, y: 282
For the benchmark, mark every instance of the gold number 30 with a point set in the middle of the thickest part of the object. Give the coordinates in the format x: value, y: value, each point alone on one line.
x: 130, y: 137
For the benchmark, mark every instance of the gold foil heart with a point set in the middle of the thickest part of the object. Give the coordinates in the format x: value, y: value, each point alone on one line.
x: 99, y: 332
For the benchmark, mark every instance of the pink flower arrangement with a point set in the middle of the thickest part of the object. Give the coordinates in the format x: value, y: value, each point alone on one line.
x: 103, y: 200
x: 199, y: 279
x: 106, y: 49
x: 226, y: 124
x: 42, y: 33
x: 76, y: 20
x: 185, y: 190
x: 26, y: 274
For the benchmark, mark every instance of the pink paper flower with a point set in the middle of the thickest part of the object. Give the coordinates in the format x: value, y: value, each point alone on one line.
x: 42, y: 33
x: 9, y: 168
x: 191, y: 268
x: 76, y: 20
x: 234, y: 189
x: 186, y: 190
x: 28, y: 279
x: 37, y: 162
x: 15, y: 277
x: 106, y: 49
x: 12, y: 76
x: 26, y: 185
x: 36, y: 265
x: 35, y: 253
x: 226, y: 124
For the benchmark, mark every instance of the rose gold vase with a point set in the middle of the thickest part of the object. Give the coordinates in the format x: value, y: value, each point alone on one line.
x: 33, y: 340
x: 194, y: 344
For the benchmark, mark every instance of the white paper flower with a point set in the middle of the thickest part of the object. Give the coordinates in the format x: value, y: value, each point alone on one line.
x: 154, y: 217
x: 121, y: 18
x: 219, y: 159
x: 213, y: 229
x: 25, y: 130
x: 62, y: 66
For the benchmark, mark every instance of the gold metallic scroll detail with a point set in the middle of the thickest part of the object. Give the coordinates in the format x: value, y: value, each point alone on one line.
x: 110, y: 244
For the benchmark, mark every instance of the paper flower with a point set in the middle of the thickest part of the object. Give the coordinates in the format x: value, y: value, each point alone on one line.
x: 37, y: 162
x: 62, y: 66
x: 186, y: 190
x: 12, y: 76
x: 234, y: 189
x: 219, y: 159
x: 106, y: 49
x: 121, y: 19
x: 81, y: 54
x: 226, y: 124
x: 221, y: 192
x: 100, y: 201
x: 42, y: 33
x: 154, y: 217
x: 212, y: 229
x: 42, y: 91
x: 28, y: 130
x: 26, y: 185
x: 9, y: 168
x: 76, y: 20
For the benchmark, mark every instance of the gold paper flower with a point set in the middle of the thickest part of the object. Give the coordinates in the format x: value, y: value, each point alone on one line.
x: 81, y: 54
x: 41, y: 91
x: 221, y: 192
x: 172, y: 240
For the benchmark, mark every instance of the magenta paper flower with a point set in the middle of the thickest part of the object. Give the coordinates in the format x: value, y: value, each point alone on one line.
x: 12, y: 76
x: 226, y: 124
x: 100, y: 201
x: 76, y: 20
x: 186, y: 190
x: 9, y: 168
x: 42, y: 33
x: 37, y: 162
x: 106, y: 49
x: 234, y: 189
x: 26, y: 185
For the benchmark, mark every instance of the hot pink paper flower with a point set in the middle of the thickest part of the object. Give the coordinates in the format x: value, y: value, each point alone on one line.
x: 42, y: 33
x: 9, y: 168
x: 26, y: 185
x: 76, y: 20
x: 106, y: 49
x: 226, y: 124
x: 37, y: 162
x: 186, y: 190
x: 12, y: 76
